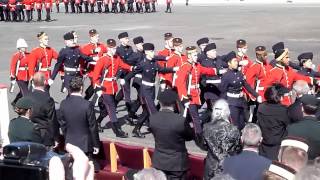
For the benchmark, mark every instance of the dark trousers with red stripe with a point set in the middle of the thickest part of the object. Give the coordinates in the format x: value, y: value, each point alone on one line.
x: 237, y: 115
x: 23, y: 86
x: 147, y: 101
x: 109, y: 103
x: 193, y: 115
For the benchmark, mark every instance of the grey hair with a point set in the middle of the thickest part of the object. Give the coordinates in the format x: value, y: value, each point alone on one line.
x: 309, y: 172
x: 222, y: 177
x: 301, y: 87
x: 251, y: 135
x: 220, y: 111
x: 150, y: 174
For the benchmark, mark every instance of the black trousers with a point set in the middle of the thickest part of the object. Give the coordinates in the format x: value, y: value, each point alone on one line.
x: 237, y: 115
x: 109, y: 103
x: 39, y: 14
x: 48, y: 11
x: 114, y: 8
x: 66, y: 7
x: 124, y: 93
x: 99, y: 4
x: 193, y: 115
x: 23, y: 86
x: 1, y: 13
x: 28, y: 12
x: 175, y: 175
x: 72, y: 6
x: 20, y: 13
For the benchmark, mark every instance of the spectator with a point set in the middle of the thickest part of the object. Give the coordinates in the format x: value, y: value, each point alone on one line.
x: 279, y: 171
x: 295, y: 110
x: 43, y: 111
x: 150, y: 174
x: 77, y: 120
x: 273, y: 120
x: 294, y: 153
x: 255, y: 165
x: 222, y: 139
x: 21, y: 128
x: 310, y: 172
x: 309, y: 127
x: 170, y: 131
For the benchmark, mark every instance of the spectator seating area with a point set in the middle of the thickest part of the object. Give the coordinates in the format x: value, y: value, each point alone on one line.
x: 117, y: 158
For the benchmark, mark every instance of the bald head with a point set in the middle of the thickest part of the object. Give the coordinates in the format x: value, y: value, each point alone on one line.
x: 39, y: 80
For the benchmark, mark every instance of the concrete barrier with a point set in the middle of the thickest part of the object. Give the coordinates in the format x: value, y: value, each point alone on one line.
x: 4, y: 115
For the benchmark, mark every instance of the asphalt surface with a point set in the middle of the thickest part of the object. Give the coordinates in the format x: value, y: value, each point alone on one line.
x: 296, y: 25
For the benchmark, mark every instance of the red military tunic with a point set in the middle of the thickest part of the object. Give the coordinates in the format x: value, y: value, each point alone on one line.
x: 48, y: 4
x: 112, y: 65
x: 174, y: 61
x: 167, y: 53
x: 191, y: 72
x: 23, y: 59
x: 285, y: 76
x: 38, y: 4
x: 28, y: 4
x: 43, y: 56
x: 168, y: 1
x: 90, y: 49
x: 256, y: 76
x: 12, y: 5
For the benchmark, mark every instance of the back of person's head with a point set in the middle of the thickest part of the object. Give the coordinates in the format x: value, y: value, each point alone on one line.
x: 222, y: 177
x: 310, y: 172
x: 301, y: 87
x: 274, y: 93
x: 294, y: 157
x: 221, y: 111
x: 39, y: 79
x: 76, y: 84
x: 268, y: 175
x: 310, y: 104
x: 150, y: 174
x: 251, y: 135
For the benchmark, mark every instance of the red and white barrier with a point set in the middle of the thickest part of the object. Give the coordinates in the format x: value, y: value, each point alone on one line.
x: 4, y: 111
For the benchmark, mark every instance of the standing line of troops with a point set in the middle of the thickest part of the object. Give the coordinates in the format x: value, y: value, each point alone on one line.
x: 198, y: 77
x: 22, y: 10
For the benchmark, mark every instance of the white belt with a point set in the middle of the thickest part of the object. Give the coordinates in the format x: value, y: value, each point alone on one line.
x: 44, y: 69
x: 195, y: 86
x: 288, y: 94
x: 110, y: 79
x: 19, y: 4
x: 71, y: 69
x: 147, y: 83
x: 23, y: 68
x: 260, y: 88
x: 138, y: 76
x: 235, y: 95
x: 217, y: 81
x: 93, y: 62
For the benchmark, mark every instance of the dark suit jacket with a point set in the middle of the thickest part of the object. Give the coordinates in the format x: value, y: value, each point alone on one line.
x: 44, y: 115
x: 295, y: 111
x: 22, y: 129
x: 247, y: 165
x: 170, y: 132
x: 308, y: 128
x: 78, y: 123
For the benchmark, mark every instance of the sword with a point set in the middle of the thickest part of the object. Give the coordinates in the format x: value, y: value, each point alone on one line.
x: 252, y: 107
x: 12, y: 84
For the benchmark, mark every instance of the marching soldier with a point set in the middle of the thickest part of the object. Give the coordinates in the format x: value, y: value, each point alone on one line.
x: 139, y: 7
x: 2, y: 8
x: 86, y: 6
x: 72, y: 6
x: 285, y: 75
x: 28, y: 7
x: 147, y: 6
x: 211, y: 92
x: 188, y: 87
x: 12, y: 9
x: 48, y: 6
x: 38, y: 6
x: 114, y: 8
x: 202, y: 43
x: 106, y: 6
x: 105, y: 80
x: 6, y: 9
x: 130, y: 6
x: 153, y: 4
x: 232, y: 84
x: 99, y: 5
x: 177, y: 59
x: 122, y: 6
x: 41, y: 58
x: 93, y: 49
x: 148, y: 69
x: 66, y: 5
x: 279, y: 46
x: 78, y: 6
x: 306, y: 65
x: 168, y: 3
x: 19, y: 10
x: 57, y: 2
x: 244, y: 60
x: 92, y: 3
x: 19, y: 69
x: 69, y: 57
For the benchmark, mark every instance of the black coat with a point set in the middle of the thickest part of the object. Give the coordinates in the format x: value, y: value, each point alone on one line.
x: 273, y: 120
x: 22, y: 129
x: 170, y: 132
x: 308, y: 128
x: 44, y: 114
x: 295, y: 111
x: 78, y: 123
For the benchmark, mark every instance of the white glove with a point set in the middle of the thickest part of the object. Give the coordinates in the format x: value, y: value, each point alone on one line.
x: 96, y: 58
x: 95, y: 150
x: 50, y: 82
x: 243, y: 62
x: 186, y: 105
x: 97, y: 50
x: 163, y: 86
x: 122, y: 82
x: 259, y: 99
x: 99, y: 93
x: 222, y: 71
x: 175, y: 69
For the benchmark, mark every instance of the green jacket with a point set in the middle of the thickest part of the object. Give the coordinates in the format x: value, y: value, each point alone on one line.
x: 22, y: 129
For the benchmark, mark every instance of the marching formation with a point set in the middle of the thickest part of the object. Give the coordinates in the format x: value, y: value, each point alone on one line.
x: 198, y: 77
x: 23, y: 10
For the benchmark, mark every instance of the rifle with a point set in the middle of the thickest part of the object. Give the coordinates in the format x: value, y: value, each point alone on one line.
x: 188, y: 93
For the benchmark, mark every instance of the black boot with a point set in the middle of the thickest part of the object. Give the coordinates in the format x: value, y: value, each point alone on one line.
x: 116, y: 128
x: 136, y: 131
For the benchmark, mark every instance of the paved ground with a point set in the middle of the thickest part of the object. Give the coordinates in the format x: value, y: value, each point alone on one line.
x: 296, y: 25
